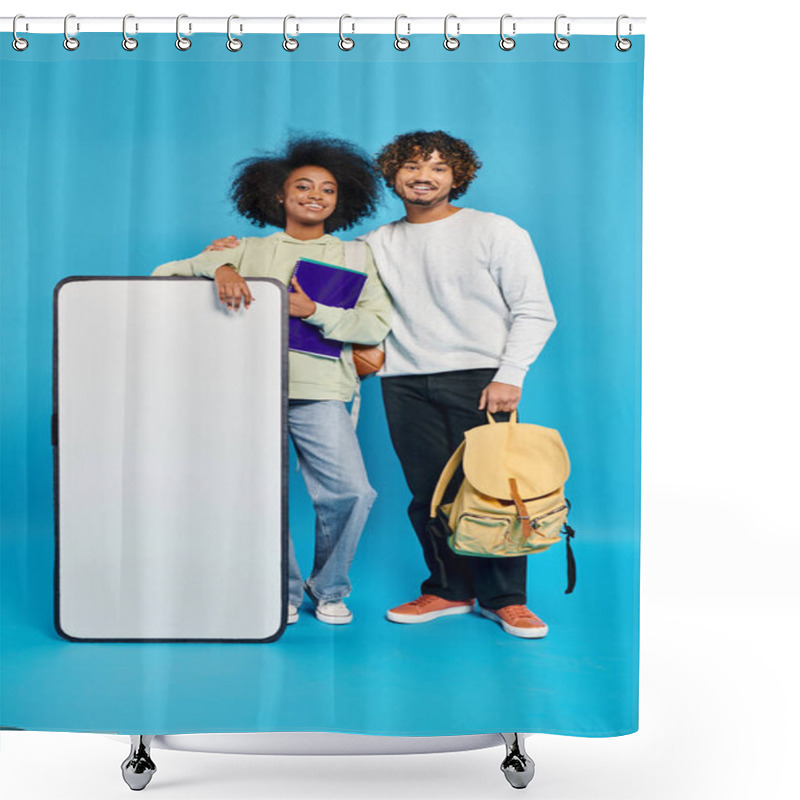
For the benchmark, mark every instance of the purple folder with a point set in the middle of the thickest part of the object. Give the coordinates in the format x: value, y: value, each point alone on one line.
x: 331, y: 286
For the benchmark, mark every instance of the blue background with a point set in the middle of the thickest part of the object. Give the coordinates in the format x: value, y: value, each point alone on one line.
x: 114, y: 162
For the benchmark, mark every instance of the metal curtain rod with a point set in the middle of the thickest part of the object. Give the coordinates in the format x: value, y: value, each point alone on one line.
x: 300, y: 24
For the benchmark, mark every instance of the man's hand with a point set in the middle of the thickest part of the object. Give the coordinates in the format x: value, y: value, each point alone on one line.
x: 499, y: 397
x: 232, y: 288
x: 300, y: 304
x: 222, y: 244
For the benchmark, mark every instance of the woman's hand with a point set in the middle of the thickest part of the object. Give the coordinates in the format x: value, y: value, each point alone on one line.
x: 300, y: 304
x: 223, y: 244
x: 232, y: 288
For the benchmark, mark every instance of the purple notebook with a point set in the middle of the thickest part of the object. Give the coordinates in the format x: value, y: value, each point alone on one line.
x: 331, y: 286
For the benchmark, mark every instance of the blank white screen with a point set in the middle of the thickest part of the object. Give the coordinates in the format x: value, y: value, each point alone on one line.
x: 170, y: 461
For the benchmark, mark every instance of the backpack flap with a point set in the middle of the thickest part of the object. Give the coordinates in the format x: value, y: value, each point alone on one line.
x: 534, y: 456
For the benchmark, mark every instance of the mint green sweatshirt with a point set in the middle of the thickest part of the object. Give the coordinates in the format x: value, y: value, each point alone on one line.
x: 310, y: 377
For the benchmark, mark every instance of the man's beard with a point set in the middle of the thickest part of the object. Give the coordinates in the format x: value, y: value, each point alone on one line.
x: 419, y: 201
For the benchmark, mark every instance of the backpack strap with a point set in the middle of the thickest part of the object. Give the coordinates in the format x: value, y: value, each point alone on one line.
x: 355, y: 255
x: 569, y: 534
x: 522, y: 510
x: 447, y: 475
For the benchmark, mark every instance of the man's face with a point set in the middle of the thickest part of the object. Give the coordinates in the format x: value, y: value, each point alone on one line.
x: 425, y: 182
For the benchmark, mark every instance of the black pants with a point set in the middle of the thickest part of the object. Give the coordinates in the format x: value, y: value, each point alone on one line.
x: 427, y: 416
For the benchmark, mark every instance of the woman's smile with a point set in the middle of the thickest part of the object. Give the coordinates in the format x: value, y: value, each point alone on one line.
x: 309, y: 197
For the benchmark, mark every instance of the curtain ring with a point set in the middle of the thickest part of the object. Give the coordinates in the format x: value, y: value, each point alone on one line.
x: 181, y: 42
x: 233, y: 44
x: 128, y: 42
x: 451, y: 42
x: 507, y: 42
x: 561, y: 44
x: 623, y: 45
x: 345, y: 42
x: 18, y: 44
x: 70, y: 42
x: 289, y: 44
x: 400, y: 42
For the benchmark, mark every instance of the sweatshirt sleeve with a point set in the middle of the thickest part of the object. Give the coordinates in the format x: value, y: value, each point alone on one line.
x: 367, y: 323
x: 518, y: 274
x: 204, y: 264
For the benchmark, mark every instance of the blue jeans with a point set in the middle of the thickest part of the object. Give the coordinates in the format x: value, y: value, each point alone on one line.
x: 333, y: 470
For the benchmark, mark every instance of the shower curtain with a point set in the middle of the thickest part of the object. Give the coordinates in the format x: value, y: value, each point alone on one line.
x: 115, y: 161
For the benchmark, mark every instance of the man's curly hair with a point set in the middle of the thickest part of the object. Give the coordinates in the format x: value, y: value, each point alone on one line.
x: 260, y: 180
x: 456, y: 153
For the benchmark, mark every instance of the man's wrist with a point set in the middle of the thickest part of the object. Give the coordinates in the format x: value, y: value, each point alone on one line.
x: 515, y: 376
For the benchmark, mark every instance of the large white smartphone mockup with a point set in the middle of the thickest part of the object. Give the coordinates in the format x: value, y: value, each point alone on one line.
x: 169, y: 430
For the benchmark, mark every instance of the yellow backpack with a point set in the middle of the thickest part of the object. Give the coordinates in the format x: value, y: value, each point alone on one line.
x: 511, y: 501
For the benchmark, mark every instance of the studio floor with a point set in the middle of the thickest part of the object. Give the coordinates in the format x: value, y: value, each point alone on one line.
x: 459, y: 674
x: 701, y: 736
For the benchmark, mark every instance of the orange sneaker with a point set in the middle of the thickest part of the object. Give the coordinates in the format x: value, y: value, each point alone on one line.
x: 518, y: 621
x: 428, y: 607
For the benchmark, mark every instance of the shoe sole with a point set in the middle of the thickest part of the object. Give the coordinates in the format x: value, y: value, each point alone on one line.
x: 412, y: 619
x: 522, y: 633
x: 328, y: 620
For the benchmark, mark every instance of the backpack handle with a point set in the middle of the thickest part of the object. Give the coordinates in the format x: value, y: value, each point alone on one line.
x: 512, y: 418
x: 447, y: 475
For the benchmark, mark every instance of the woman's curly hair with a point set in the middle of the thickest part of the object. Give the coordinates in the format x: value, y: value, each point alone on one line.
x: 260, y: 180
x: 456, y: 153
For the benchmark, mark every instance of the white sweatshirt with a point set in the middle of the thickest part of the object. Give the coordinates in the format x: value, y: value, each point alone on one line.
x: 468, y: 293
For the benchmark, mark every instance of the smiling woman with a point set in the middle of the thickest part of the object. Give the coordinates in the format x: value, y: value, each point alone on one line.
x: 314, y: 186
x: 261, y: 183
x: 309, y: 197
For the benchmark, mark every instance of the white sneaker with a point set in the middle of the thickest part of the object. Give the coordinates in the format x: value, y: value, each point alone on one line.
x: 292, y: 614
x: 334, y: 613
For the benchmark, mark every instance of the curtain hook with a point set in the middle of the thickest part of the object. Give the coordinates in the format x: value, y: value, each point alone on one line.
x: 128, y: 42
x: 400, y: 42
x: 561, y: 43
x: 623, y: 45
x: 181, y: 42
x: 70, y: 42
x: 233, y: 44
x: 507, y: 42
x: 289, y: 44
x: 451, y: 42
x: 345, y: 42
x: 18, y: 44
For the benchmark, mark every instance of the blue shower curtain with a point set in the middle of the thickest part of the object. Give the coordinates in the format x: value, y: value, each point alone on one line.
x: 114, y: 162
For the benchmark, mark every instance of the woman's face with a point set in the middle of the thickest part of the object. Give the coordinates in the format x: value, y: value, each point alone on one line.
x: 309, y: 196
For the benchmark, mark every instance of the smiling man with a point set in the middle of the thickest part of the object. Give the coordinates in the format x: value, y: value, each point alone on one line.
x: 471, y: 313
